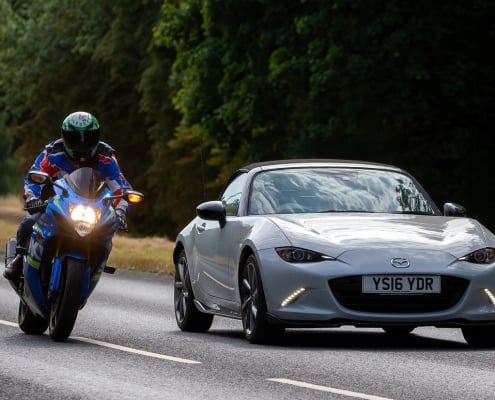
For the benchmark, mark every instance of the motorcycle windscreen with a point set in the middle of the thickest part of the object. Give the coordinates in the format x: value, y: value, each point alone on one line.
x: 86, y: 182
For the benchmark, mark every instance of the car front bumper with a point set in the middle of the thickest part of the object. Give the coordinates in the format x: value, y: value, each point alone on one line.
x: 305, y: 294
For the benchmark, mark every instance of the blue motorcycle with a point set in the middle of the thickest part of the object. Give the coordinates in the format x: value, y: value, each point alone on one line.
x: 67, y: 251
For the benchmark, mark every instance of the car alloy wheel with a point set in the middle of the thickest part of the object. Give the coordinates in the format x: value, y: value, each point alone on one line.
x: 253, y: 306
x: 186, y: 314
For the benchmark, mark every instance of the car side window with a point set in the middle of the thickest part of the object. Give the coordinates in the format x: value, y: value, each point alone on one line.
x: 231, y: 196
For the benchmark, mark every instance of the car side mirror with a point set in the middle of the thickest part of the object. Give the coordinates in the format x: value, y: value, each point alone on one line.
x: 454, y: 210
x: 212, y: 211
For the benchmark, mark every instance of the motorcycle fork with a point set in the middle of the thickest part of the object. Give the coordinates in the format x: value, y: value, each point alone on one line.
x: 56, y: 276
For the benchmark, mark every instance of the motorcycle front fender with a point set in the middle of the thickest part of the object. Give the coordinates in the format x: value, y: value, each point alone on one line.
x: 57, y: 273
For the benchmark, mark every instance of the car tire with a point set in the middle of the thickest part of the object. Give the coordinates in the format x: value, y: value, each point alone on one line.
x: 398, y: 330
x: 188, y: 317
x: 253, y: 306
x: 479, y: 336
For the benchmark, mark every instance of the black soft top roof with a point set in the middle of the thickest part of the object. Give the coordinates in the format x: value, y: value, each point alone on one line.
x: 317, y: 161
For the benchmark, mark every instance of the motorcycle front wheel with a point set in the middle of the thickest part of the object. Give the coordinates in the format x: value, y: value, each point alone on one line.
x: 65, y: 306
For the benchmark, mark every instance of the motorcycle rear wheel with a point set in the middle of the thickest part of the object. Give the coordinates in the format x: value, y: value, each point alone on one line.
x: 65, y: 307
x: 29, y: 323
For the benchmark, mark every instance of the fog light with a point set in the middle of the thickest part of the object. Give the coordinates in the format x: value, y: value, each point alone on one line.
x: 293, y: 297
x: 490, y: 295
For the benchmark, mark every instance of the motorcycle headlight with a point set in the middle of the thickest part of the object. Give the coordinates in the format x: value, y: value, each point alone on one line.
x: 481, y: 256
x: 298, y: 255
x: 85, y: 219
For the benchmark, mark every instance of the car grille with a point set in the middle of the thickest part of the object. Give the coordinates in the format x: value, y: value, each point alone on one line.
x: 348, y: 292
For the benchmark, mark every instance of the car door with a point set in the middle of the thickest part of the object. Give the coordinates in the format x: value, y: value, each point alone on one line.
x: 216, y: 245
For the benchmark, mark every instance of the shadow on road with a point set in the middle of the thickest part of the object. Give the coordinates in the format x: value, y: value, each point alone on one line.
x: 349, y: 340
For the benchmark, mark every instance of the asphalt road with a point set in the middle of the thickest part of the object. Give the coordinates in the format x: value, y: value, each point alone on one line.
x: 126, y: 345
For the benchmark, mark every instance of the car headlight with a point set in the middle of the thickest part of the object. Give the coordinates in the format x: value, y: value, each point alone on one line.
x: 298, y: 255
x: 481, y: 256
x: 85, y: 219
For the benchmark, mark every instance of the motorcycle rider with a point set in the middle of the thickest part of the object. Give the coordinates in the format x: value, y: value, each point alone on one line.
x: 79, y: 146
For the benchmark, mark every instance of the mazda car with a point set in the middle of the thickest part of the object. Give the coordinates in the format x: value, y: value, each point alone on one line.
x: 331, y: 243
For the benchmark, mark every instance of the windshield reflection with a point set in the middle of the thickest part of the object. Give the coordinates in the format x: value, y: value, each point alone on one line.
x: 320, y: 190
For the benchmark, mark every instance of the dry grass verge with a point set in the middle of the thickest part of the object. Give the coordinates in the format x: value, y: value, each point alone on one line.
x: 152, y: 254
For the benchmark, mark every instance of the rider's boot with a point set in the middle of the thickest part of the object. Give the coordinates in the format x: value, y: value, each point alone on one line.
x: 13, y: 268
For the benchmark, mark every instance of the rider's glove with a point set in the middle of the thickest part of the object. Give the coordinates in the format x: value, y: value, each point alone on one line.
x: 122, y: 219
x: 33, y: 204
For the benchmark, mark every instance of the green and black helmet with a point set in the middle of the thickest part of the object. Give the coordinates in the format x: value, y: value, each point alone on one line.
x: 81, y: 135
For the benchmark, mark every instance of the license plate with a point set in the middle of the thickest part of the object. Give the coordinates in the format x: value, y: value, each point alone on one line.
x: 401, y: 284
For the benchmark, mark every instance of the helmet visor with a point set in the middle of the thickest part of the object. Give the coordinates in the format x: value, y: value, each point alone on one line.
x: 81, y: 141
x: 81, y: 144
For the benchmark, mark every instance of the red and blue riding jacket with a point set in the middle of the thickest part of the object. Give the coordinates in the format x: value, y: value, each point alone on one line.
x: 54, y: 161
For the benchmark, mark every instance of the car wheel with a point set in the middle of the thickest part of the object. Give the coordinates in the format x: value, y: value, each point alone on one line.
x: 479, y: 336
x: 186, y: 314
x: 398, y: 329
x: 253, y: 306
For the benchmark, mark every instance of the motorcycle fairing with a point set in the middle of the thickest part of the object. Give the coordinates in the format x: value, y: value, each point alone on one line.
x: 33, y: 292
x: 54, y: 239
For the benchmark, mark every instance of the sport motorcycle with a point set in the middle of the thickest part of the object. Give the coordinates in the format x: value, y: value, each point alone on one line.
x: 67, y: 251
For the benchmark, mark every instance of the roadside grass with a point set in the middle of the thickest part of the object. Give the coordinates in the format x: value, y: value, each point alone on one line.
x: 151, y: 254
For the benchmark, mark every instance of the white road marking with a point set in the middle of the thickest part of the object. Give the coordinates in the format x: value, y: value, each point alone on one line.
x: 8, y: 323
x: 135, y: 351
x: 121, y: 348
x: 329, y: 389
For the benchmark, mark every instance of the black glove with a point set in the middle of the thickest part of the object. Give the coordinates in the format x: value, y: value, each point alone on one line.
x: 33, y: 205
x: 122, y: 219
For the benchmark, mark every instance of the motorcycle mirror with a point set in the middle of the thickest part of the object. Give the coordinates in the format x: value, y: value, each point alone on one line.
x: 134, y: 197
x: 41, y: 178
x: 38, y: 177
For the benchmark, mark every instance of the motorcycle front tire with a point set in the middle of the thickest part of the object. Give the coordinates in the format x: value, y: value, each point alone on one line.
x: 65, y: 307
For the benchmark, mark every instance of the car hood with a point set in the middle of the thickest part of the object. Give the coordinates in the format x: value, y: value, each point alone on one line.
x: 342, y: 232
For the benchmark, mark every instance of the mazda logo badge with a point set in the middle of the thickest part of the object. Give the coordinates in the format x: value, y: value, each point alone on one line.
x: 399, y: 262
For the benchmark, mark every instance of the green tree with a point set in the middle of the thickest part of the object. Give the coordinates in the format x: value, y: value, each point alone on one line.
x: 410, y: 83
x: 8, y: 182
x: 189, y: 90
x: 68, y: 55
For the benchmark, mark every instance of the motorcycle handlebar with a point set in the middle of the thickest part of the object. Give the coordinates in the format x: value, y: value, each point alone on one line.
x: 34, y: 210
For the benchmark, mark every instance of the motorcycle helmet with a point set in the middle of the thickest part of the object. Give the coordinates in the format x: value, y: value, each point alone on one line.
x: 81, y: 135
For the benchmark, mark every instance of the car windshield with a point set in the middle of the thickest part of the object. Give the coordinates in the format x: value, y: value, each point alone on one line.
x: 321, y: 190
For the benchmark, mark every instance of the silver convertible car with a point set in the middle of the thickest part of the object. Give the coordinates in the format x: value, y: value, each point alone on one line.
x: 328, y: 243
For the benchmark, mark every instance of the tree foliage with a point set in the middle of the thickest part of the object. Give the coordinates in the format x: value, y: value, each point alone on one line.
x: 189, y: 90
x: 410, y: 83
x: 8, y: 182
